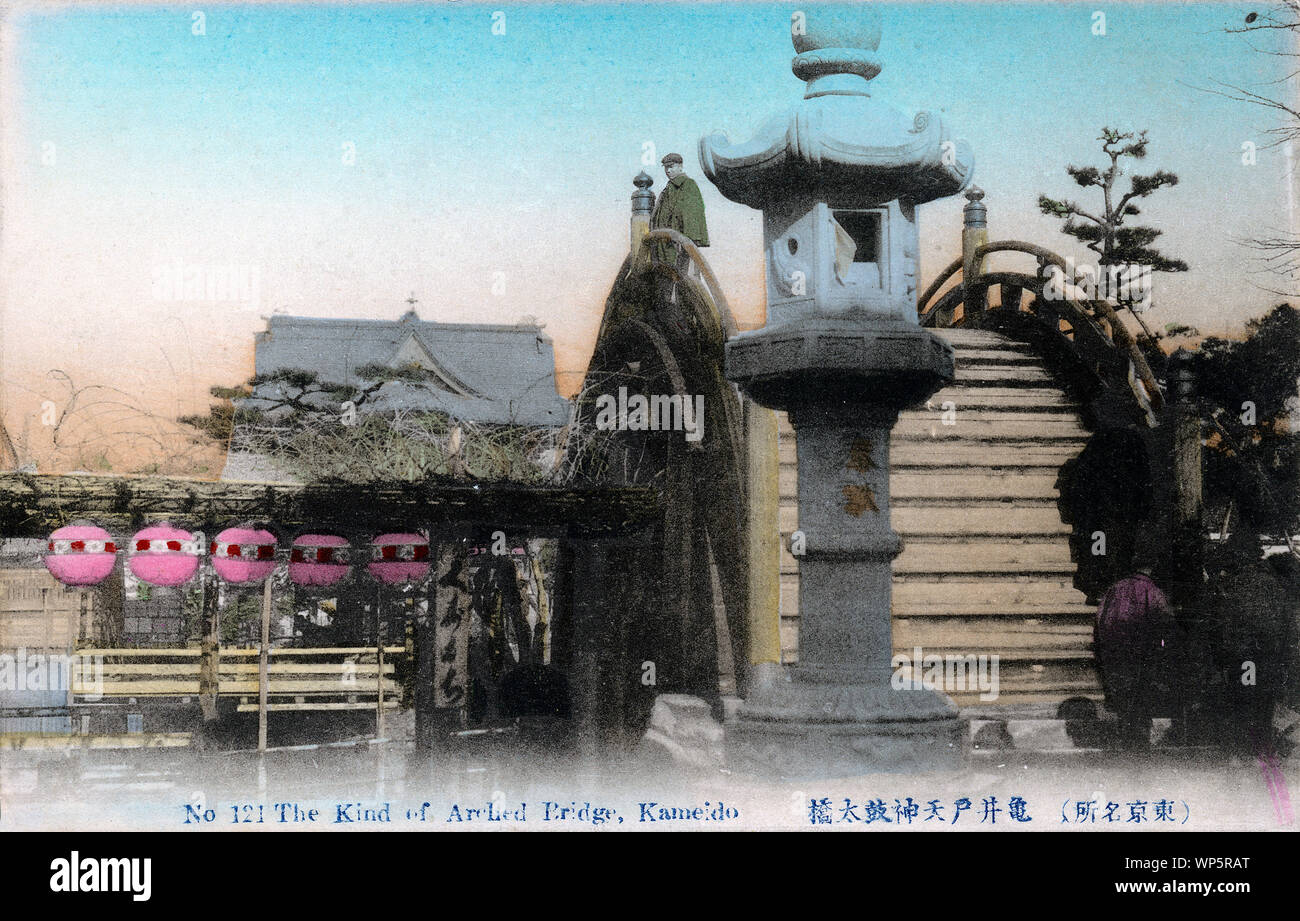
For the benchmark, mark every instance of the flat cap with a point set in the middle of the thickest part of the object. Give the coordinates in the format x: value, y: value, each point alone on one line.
x: 671, y: 158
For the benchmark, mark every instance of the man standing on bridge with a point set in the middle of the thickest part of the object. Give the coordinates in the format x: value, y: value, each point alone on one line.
x: 680, y: 207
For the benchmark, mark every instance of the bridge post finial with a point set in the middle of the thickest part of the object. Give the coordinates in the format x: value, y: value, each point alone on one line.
x: 976, y: 213
x: 1182, y: 376
x: 974, y: 234
x: 643, y: 203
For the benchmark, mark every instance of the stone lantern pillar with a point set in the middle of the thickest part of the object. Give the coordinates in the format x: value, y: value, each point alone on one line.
x: 838, y: 177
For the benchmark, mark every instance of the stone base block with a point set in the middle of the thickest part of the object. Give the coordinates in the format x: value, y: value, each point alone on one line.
x: 683, y: 734
x: 818, y: 729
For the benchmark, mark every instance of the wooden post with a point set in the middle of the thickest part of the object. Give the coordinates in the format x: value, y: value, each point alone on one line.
x: 543, y: 610
x: 83, y: 625
x: 47, y: 622
x: 1188, y: 496
x: 263, y: 675
x: 610, y: 636
x: 643, y: 202
x: 73, y: 643
x: 426, y: 651
x: 562, y: 607
x: 764, y: 540
x: 379, y: 659
x: 679, y: 551
x: 974, y: 234
x: 455, y: 461
x: 210, y: 653
x: 590, y: 622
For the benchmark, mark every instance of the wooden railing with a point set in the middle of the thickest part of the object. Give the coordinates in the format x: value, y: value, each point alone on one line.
x: 709, y: 288
x: 1092, y: 326
x: 339, y: 678
x: 709, y: 306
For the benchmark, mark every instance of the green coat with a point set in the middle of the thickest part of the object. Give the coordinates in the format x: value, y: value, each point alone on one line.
x: 680, y: 207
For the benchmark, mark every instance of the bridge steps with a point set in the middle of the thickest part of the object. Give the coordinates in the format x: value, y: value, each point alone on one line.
x: 986, y: 566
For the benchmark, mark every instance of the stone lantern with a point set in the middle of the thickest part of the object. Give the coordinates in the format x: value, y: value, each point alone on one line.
x: 838, y: 177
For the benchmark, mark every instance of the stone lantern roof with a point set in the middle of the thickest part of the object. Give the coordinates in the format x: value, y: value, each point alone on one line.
x: 839, y: 142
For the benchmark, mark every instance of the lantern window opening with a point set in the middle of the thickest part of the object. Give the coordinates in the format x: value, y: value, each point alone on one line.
x: 865, y: 229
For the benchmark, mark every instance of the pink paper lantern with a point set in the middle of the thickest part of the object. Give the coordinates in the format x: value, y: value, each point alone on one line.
x: 163, y: 555
x: 80, y: 555
x: 243, y: 555
x: 319, y: 559
x: 399, y: 558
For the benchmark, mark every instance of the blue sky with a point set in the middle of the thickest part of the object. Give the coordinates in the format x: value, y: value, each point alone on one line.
x: 492, y: 171
x: 429, y: 95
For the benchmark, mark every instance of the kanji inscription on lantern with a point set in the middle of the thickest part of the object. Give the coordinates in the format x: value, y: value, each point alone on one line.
x: 859, y: 499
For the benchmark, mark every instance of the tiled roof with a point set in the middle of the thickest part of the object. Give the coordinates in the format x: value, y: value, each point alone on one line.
x: 481, y: 372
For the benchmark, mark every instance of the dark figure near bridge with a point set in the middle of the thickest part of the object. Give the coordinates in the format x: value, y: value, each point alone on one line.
x: 1140, y: 648
x: 535, y: 690
x: 1252, y: 621
x: 1106, y: 493
x: 537, y: 698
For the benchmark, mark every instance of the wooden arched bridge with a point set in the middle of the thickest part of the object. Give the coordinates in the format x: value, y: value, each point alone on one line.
x: 1053, y: 401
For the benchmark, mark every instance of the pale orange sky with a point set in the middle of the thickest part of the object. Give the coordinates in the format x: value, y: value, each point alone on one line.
x: 147, y: 171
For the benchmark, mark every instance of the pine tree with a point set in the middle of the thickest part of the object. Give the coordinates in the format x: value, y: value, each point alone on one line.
x: 1104, y: 232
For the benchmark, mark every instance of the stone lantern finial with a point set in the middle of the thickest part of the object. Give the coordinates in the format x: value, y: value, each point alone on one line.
x: 837, y: 51
x: 840, y: 168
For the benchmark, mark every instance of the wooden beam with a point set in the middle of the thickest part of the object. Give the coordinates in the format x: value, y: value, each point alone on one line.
x: 31, y: 505
x: 191, y: 651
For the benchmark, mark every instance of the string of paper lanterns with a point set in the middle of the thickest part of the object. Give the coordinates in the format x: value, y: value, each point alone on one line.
x: 84, y: 555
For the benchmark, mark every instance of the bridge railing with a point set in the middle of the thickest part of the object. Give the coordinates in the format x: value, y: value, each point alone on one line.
x: 1093, y: 325
x: 707, y: 283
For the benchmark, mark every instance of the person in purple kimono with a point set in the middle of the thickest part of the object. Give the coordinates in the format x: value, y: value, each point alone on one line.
x: 1138, y: 643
